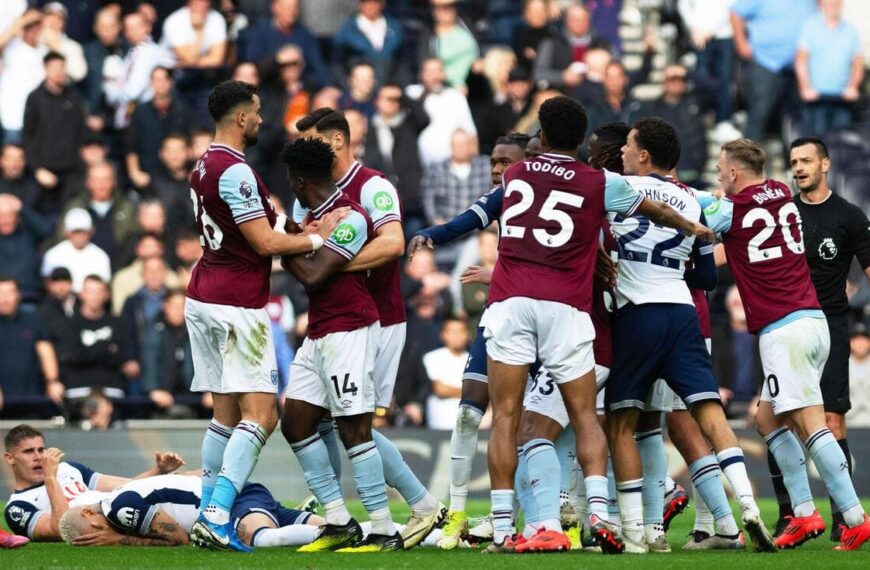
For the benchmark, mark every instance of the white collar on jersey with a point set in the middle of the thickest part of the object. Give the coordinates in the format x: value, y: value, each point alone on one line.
x: 348, y: 176
x: 557, y: 157
x: 318, y: 211
x: 225, y: 148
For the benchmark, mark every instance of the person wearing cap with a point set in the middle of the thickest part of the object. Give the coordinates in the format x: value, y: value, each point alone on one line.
x: 22, y: 71
x: 54, y: 38
x: 59, y: 303
x: 21, y: 232
x: 76, y: 252
x: 29, y: 362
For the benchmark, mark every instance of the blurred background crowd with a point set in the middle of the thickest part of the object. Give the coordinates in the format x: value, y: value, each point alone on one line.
x: 102, y: 108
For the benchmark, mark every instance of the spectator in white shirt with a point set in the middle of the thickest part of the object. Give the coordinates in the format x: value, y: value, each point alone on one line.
x: 859, y: 377
x: 447, y: 109
x: 10, y: 11
x: 54, y: 38
x: 76, y: 252
x: 444, y: 367
x: 128, y: 81
x: 22, y: 71
x: 196, y: 35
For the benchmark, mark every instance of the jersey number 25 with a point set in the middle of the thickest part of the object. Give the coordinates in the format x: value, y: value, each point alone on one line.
x: 548, y: 212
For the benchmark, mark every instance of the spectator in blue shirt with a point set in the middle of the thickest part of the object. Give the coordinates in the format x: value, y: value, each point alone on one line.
x: 765, y: 35
x: 829, y: 68
x: 262, y: 42
x: 371, y: 36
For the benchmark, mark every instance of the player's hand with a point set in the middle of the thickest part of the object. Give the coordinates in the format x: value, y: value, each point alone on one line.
x: 418, y: 242
x: 167, y: 462
x: 102, y: 537
x: 703, y: 232
x: 605, y: 267
x: 476, y: 274
x: 330, y: 221
x: 50, y: 461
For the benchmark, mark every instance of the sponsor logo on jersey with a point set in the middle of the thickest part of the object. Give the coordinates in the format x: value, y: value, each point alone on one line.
x: 128, y: 517
x: 383, y: 201
x: 827, y: 249
x: 713, y: 208
x: 344, y: 234
x: 245, y: 189
x: 274, y: 378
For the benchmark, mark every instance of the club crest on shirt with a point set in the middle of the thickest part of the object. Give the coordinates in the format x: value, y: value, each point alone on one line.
x: 827, y: 249
x: 245, y: 189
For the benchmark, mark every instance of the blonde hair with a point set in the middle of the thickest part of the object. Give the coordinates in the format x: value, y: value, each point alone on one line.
x: 71, y: 524
x: 747, y: 152
x: 494, y: 63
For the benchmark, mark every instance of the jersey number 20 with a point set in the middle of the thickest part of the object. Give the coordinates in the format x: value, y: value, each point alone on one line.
x: 758, y: 253
x: 548, y: 212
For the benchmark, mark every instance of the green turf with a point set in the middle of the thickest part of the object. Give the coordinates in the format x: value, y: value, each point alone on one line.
x: 815, y: 554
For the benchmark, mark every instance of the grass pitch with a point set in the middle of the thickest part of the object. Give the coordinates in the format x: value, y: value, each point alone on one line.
x: 815, y: 554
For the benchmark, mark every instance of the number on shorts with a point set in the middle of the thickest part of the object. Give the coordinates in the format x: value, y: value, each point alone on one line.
x: 657, y: 257
x: 347, y: 386
x: 773, y: 386
x: 756, y: 252
x: 211, y: 233
x: 547, y: 388
x: 549, y: 212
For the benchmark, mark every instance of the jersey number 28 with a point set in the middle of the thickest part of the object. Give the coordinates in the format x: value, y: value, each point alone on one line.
x: 548, y: 212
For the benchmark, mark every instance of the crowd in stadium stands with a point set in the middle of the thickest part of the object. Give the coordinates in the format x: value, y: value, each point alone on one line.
x: 102, y: 107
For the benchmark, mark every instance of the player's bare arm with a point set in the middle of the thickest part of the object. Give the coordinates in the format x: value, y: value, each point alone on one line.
x: 48, y: 528
x: 664, y: 215
x: 313, y: 270
x: 164, y: 531
x: 164, y: 462
x: 267, y: 242
x: 388, y: 245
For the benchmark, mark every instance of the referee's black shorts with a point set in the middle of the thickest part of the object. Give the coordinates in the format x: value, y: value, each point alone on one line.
x: 835, y: 377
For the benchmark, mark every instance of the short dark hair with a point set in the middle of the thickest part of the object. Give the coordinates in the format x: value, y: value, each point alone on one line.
x: 514, y: 139
x: 611, y: 138
x: 659, y: 138
x: 148, y: 235
x: 324, y: 120
x: 174, y: 292
x: 227, y: 95
x: 309, y: 158
x: 161, y: 68
x: 820, y: 145
x: 97, y: 278
x: 9, y: 279
x: 563, y: 121
x: 52, y: 56
x: 175, y: 135
x: 19, y: 433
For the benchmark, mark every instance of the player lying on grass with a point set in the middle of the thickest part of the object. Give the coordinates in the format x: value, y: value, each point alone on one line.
x: 44, y: 484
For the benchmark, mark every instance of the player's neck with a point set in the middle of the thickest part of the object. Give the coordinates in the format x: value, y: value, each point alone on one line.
x: 235, y: 142
x: 649, y: 170
x: 818, y: 195
x: 343, y: 161
x: 747, y: 183
x: 320, y: 196
x: 569, y: 153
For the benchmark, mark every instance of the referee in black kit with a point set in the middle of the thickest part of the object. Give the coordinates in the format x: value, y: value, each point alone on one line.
x: 834, y: 232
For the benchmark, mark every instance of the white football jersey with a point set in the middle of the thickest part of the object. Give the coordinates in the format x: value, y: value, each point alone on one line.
x: 25, y: 506
x: 652, y: 259
x: 132, y: 506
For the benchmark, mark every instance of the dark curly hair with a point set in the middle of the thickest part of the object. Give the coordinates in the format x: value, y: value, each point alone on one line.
x: 309, y: 159
x: 660, y: 139
x: 563, y: 121
x: 227, y: 95
x: 325, y: 120
x: 609, y: 139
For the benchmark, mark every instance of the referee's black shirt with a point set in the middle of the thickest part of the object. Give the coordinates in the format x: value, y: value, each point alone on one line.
x: 834, y: 230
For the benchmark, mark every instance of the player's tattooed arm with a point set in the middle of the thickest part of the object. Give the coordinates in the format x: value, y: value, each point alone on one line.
x: 662, y: 214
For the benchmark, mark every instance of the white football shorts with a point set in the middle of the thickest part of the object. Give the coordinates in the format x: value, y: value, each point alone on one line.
x: 793, y: 358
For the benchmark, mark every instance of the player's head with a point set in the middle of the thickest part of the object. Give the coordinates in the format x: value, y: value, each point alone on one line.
x: 25, y: 446
x: 651, y: 145
x: 235, y: 108
x: 454, y: 335
x: 328, y: 125
x: 80, y: 520
x: 740, y: 163
x: 309, y: 169
x: 507, y: 150
x: 809, y: 163
x: 535, y: 147
x: 563, y: 123
x: 605, y: 146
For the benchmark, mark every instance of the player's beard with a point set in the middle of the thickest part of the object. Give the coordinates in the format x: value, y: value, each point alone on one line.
x: 251, y: 138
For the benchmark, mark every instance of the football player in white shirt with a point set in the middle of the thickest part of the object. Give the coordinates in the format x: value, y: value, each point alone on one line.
x: 44, y: 484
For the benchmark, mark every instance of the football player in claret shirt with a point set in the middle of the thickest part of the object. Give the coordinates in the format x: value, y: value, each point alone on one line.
x: 333, y: 370
x: 541, y: 297
x: 656, y: 334
x: 380, y: 257
x: 760, y: 227
x: 230, y: 331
